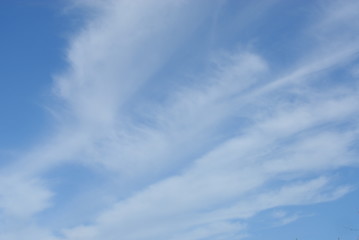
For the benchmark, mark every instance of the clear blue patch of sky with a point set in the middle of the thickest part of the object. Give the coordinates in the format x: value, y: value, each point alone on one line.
x: 32, y: 50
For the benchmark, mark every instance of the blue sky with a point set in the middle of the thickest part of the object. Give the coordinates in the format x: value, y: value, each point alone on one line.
x: 179, y: 120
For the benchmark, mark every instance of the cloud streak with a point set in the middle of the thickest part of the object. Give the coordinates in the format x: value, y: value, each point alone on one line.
x: 218, y: 148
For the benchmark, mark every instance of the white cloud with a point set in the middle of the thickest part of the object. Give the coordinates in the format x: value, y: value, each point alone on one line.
x: 232, y: 142
x: 21, y: 197
x: 281, y: 217
x: 127, y: 35
x: 25, y: 231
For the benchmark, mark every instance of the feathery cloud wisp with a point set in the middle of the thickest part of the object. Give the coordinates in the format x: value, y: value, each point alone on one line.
x: 215, y: 149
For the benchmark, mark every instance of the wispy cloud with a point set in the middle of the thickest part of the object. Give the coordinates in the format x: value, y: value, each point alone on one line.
x: 216, y: 148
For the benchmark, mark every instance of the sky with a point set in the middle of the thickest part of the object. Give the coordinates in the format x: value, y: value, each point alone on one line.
x: 179, y: 119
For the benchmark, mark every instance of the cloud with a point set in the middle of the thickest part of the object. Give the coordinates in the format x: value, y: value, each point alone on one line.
x: 102, y: 55
x: 13, y: 191
x: 283, y: 217
x: 215, y: 149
